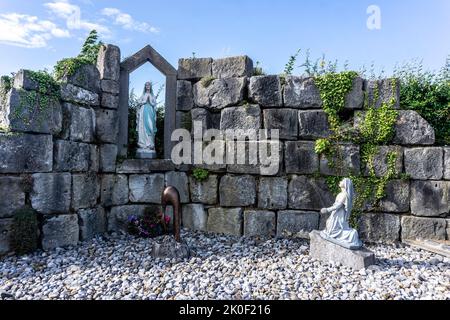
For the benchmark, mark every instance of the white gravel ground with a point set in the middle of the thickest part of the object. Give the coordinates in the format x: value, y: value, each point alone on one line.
x: 222, y: 267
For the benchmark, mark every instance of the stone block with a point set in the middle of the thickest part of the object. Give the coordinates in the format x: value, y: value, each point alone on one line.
x: 259, y: 223
x: 23, y: 80
x: 114, y: 190
x: 85, y: 191
x: 110, y: 101
x: 185, y: 95
x: 108, y: 62
x: 225, y: 221
x: 108, y: 157
x: 380, y: 160
x: 183, y: 120
x: 110, y: 86
x: 107, y: 126
x: 313, y: 124
x: 296, y: 224
x: 145, y: 165
x: 447, y: 163
x: 23, y: 153
x: 207, y: 119
x: 397, y: 197
x: 430, y: 198
x: 12, y: 195
x: 382, y: 91
x: 423, y: 228
x: 272, y: 193
x: 301, y: 93
x: 232, y: 67
x: 92, y: 223
x: 6, y: 226
x: 94, y: 158
x: 74, y: 94
x: 327, y: 251
x: 51, y: 192
x: 204, y: 191
x: 347, y: 161
x: 71, y: 156
x: 146, y: 188
x: 424, y: 163
x: 285, y: 120
x: 78, y: 123
x: 86, y: 76
x: 180, y: 181
x: 219, y: 93
x: 355, y: 98
x: 194, y: 68
x: 60, y: 231
x: 194, y: 217
x: 237, y: 191
x: 241, y: 118
x: 412, y: 129
x: 379, y: 227
x: 309, y: 193
x: 300, y: 157
x: 266, y: 91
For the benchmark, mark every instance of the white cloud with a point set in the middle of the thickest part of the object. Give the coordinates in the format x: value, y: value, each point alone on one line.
x: 28, y: 31
x: 72, y: 15
x: 127, y: 22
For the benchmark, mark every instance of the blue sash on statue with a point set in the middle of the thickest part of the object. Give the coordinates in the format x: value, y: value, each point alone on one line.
x: 149, y: 115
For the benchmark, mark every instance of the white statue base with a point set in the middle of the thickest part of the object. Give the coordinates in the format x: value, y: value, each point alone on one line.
x: 146, y: 154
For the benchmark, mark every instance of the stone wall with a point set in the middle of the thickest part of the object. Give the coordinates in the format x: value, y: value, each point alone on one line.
x: 66, y: 166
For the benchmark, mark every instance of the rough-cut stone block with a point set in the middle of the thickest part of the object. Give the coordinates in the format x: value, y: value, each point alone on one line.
x: 23, y: 80
x: 194, y: 68
x: 24, y: 153
x: 194, y: 217
x: 423, y: 228
x: 237, y: 191
x: 114, y: 190
x: 110, y: 86
x: 108, y: 157
x: 180, y: 181
x: 241, y: 118
x: 219, y: 93
x: 225, y: 221
x: 108, y: 62
x: 379, y: 227
x: 300, y: 157
x: 447, y: 163
x: 206, y: 118
x: 385, y: 90
x: 146, y: 188
x: 308, y: 193
x: 259, y: 223
x: 313, y: 124
x: 397, y: 197
x: 86, y: 77
x: 185, y: 96
x: 350, y: 158
x: 424, y: 163
x: 327, y: 251
x: 355, y: 98
x: 60, y: 231
x: 412, y: 129
x: 301, y: 93
x: 94, y: 158
x: 272, y: 193
x: 71, y: 93
x: 85, y: 191
x: 51, y: 192
x: 380, y: 160
x: 266, y: 91
x: 285, y: 120
x: 110, y: 101
x: 12, y: 195
x: 241, y: 66
x: 92, y: 223
x: 6, y: 226
x: 430, y: 198
x: 22, y: 112
x: 204, y: 191
x: 71, y: 156
x: 107, y: 125
x: 78, y: 123
x: 119, y: 216
x: 297, y: 224
x: 145, y: 166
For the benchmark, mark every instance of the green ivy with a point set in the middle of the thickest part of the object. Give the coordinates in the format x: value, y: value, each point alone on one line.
x: 200, y: 174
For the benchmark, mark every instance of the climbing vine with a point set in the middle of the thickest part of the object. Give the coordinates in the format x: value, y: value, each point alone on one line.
x: 200, y: 174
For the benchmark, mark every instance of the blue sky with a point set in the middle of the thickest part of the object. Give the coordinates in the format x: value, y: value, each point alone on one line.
x: 35, y: 34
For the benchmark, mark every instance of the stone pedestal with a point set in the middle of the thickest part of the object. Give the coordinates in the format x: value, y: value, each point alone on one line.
x: 145, y: 154
x: 327, y: 251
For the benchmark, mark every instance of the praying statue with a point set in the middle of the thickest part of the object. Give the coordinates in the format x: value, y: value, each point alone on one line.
x: 146, y: 123
x: 337, y: 228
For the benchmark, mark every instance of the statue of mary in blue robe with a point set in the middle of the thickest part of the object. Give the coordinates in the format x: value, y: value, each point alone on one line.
x: 146, y: 120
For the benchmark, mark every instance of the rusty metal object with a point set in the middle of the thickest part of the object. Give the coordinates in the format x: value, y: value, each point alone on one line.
x: 171, y: 196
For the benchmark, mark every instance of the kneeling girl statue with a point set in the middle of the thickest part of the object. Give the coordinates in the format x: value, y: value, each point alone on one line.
x: 337, y: 228
x: 146, y: 123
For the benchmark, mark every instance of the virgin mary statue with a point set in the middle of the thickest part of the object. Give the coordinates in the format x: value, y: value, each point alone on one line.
x: 146, y: 123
